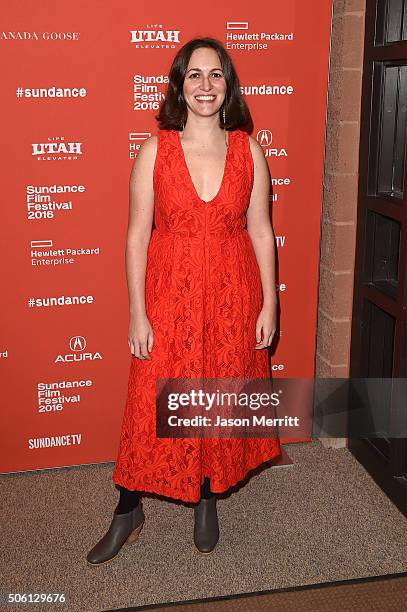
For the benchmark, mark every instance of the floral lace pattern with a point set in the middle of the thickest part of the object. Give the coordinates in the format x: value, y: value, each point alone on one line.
x: 203, y: 297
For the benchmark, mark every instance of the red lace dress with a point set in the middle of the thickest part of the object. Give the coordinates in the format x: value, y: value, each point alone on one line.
x: 203, y: 297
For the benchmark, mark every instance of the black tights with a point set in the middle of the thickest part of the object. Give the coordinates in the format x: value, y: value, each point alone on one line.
x: 130, y: 499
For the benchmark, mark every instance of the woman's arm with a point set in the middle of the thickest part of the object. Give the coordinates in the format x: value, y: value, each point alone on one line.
x: 141, y: 213
x: 259, y: 225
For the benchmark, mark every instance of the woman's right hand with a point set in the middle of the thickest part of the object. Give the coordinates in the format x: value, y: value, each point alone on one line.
x: 141, y: 337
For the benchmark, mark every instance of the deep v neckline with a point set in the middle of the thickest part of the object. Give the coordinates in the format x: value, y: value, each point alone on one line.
x: 178, y: 137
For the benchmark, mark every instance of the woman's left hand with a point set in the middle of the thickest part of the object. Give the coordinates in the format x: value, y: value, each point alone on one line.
x: 266, y: 326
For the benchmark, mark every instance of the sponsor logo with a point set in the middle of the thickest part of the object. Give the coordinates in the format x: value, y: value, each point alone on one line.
x: 265, y: 139
x: 43, y: 255
x: 239, y: 36
x: 25, y: 35
x: 154, y: 37
x: 136, y: 140
x: 50, y: 441
x: 77, y: 345
x: 56, y: 149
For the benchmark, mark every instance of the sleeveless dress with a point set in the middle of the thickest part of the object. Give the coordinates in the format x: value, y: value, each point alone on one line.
x: 203, y: 296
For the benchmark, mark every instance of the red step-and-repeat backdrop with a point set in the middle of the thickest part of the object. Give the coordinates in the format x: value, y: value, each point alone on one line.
x: 80, y: 85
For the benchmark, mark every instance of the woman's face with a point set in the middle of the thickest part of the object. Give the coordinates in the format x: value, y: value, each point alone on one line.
x: 204, y: 86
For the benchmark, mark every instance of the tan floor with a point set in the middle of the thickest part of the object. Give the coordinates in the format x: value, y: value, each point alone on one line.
x: 319, y: 520
x: 389, y: 595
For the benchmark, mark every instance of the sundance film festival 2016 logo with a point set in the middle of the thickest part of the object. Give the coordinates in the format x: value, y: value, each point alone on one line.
x: 56, y: 149
x: 148, y: 91
x: 40, y: 200
x: 154, y: 37
x: 54, y: 396
x: 77, y: 345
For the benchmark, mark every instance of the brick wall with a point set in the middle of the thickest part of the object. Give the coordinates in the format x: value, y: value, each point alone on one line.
x: 340, y: 186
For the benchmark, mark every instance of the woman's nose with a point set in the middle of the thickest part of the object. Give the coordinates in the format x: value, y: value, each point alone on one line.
x: 206, y: 83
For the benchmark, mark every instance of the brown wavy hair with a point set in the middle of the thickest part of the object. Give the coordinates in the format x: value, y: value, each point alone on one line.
x: 173, y: 111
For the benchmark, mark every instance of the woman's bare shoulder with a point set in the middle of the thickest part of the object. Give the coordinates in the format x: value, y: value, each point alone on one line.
x: 146, y: 154
x: 145, y: 159
x: 149, y: 146
x: 255, y: 147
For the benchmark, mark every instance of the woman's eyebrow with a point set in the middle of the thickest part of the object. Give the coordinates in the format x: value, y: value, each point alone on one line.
x: 199, y: 69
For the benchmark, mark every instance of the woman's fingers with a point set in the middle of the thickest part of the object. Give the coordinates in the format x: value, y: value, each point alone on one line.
x: 266, y: 334
x: 142, y: 348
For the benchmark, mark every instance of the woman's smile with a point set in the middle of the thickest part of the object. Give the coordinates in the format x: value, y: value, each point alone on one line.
x: 205, y: 99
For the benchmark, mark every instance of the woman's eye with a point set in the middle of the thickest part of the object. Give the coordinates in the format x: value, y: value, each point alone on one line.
x: 217, y: 74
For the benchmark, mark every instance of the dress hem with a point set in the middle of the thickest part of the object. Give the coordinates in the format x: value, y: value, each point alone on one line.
x: 178, y: 494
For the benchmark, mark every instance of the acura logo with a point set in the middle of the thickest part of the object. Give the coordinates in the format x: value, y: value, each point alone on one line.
x: 77, y: 343
x: 264, y: 137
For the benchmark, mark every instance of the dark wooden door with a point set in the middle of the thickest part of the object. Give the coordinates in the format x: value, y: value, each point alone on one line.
x: 379, y: 321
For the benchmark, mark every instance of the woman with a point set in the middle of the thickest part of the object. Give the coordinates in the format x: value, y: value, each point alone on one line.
x: 201, y: 289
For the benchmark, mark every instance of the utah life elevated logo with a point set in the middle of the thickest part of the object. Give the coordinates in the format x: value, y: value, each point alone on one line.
x: 77, y: 345
x: 153, y: 36
x: 56, y: 149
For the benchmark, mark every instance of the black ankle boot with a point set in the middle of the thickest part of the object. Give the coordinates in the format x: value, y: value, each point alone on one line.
x: 206, y: 527
x: 123, y: 528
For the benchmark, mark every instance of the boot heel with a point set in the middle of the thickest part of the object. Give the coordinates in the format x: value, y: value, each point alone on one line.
x: 133, y: 537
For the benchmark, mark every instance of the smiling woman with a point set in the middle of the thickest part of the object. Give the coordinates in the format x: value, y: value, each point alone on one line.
x: 201, y: 289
